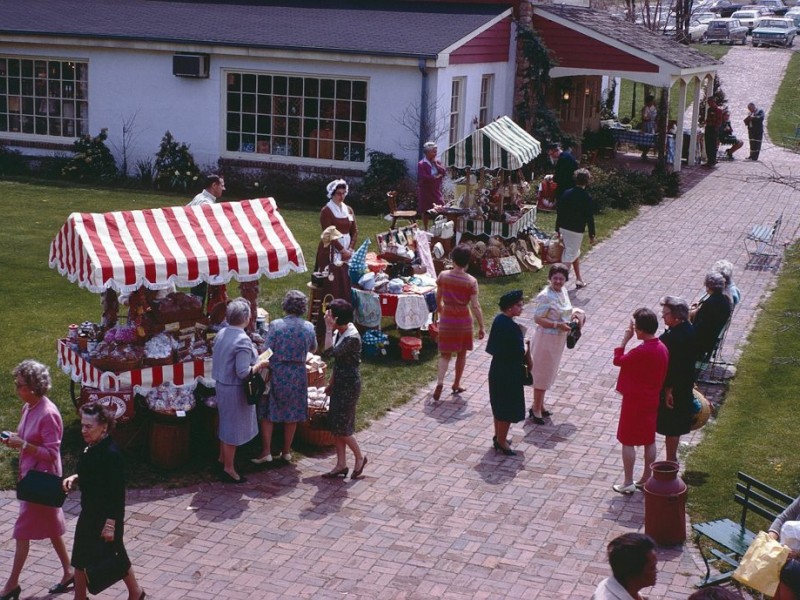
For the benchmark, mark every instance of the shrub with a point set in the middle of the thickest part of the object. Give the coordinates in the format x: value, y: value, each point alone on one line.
x: 385, y: 173
x: 92, y: 160
x: 289, y: 188
x: 175, y: 168
x: 623, y: 189
x: 11, y: 162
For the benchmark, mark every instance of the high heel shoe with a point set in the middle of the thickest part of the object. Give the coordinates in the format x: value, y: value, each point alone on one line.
x: 357, y: 472
x: 506, y: 451
x: 437, y: 393
x: 12, y: 595
x: 535, y: 419
x: 458, y: 389
x: 61, y: 588
x: 496, y: 445
x: 337, y: 473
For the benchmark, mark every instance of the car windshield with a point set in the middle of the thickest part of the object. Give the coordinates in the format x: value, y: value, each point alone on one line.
x: 773, y: 23
x: 718, y: 25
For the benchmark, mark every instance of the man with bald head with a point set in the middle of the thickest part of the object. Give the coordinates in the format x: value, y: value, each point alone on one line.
x: 755, y: 129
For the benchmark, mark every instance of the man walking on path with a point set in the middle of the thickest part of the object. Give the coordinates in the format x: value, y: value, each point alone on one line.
x: 755, y: 129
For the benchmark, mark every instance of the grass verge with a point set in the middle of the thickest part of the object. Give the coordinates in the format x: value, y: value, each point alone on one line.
x: 784, y: 117
x: 755, y: 429
x: 37, y: 304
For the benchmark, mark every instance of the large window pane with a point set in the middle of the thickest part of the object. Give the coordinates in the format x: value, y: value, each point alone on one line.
x: 290, y: 116
x: 42, y: 94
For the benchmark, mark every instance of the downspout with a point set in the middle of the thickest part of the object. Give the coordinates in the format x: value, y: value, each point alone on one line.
x: 423, y: 107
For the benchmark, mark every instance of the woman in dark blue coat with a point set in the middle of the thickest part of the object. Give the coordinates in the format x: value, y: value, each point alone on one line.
x: 506, y: 375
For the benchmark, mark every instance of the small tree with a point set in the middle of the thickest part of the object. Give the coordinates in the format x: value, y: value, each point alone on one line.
x: 175, y: 167
x: 92, y: 160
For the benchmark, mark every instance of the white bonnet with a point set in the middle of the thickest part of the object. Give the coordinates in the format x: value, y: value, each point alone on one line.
x: 334, y: 184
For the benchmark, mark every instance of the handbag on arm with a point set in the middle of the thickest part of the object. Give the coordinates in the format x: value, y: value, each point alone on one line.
x: 41, y: 487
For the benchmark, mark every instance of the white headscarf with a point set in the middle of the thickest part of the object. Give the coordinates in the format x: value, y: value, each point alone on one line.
x: 334, y: 184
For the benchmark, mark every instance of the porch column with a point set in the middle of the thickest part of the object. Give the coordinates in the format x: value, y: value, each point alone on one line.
x: 676, y: 160
x: 695, y: 114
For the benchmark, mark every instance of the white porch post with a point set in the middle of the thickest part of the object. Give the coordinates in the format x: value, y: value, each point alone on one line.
x: 695, y: 115
x: 676, y: 160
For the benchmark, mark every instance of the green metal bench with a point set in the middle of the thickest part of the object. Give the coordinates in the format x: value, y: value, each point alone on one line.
x: 754, y: 496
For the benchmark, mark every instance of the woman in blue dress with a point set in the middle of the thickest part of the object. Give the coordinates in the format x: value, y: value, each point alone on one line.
x: 506, y: 375
x: 234, y: 360
x: 290, y: 339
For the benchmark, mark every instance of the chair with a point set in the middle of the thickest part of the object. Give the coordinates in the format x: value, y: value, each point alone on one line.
x: 761, y: 241
x: 409, y: 215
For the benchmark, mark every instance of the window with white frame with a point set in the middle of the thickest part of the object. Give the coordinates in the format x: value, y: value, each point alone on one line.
x: 487, y: 93
x: 456, y: 108
x: 296, y: 116
x: 44, y: 97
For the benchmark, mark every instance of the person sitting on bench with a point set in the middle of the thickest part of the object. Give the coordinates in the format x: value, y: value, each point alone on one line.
x: 789, y: 588
x: 710, y: 315
x: 726, y: 135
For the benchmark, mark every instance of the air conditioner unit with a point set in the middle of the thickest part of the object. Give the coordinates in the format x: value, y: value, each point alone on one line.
x: 190, y: 65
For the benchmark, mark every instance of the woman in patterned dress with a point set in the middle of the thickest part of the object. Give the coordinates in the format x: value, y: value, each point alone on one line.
x: 553, y: 315
x: 344, y: 344
x: 38, y: 439
x: 234, y: 360
x: 290, y: 339
x: 456, y: 295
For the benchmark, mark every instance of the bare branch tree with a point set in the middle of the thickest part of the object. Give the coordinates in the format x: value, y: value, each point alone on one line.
x: 128, y: 141
x: 434, y: 126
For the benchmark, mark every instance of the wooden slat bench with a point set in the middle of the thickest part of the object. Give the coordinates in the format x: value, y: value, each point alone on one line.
x: 760, y: 241
x: 754, y: 496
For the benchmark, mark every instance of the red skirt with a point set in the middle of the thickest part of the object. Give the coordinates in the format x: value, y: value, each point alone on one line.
x: 637, y: 420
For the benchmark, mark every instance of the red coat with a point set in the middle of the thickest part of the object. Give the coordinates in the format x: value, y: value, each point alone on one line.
x: 641, y: 377
x: 429, y: 186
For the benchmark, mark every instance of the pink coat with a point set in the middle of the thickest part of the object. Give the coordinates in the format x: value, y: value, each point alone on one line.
x: 429, y: 186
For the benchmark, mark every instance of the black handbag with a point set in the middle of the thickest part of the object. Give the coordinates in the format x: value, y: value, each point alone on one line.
x: 111, y: 567
x: 254, y: 388
x: 41, y: 488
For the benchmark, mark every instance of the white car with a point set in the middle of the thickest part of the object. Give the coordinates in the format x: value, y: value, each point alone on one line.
x: 698, y: 25
x: 748, y: 18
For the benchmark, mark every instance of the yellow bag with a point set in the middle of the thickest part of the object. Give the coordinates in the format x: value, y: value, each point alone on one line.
x: 760, y: 567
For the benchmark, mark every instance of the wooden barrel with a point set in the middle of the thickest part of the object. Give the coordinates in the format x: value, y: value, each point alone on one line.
x: 169, y: 442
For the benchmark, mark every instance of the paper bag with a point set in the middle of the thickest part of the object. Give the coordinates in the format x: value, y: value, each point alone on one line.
x: 760, y: 567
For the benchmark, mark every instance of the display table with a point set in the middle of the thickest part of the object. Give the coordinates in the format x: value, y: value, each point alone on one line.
x: 141, y: 381
x: 633, y: 137
x: 496, y: 228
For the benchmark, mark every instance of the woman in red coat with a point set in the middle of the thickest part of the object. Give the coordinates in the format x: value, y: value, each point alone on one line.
x: 430, y: 174
x: 641, y: 377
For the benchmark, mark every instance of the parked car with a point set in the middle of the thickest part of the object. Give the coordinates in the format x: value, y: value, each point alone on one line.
x: 748, y: 18
x: 763, y: 10
x: 725, y: 8
x: 794, y: 16
x: 726, y: 31
x: 774, y: 31
x: 698, y: 25
x: 776, y: 6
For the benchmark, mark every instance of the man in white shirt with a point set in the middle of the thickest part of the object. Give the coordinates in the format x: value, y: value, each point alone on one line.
x: 214, y: 187
x: 633, y: 561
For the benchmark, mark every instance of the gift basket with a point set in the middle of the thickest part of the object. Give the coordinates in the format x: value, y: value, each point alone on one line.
x: 316, y: 430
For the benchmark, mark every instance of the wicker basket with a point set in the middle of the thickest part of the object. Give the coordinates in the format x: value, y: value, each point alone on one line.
x: 316, y: 378
x: 115, y: 365
x: 158, y: 362
x: 313, y: 437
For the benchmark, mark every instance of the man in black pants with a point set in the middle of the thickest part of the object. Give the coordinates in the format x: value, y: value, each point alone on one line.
x: 755, y: 129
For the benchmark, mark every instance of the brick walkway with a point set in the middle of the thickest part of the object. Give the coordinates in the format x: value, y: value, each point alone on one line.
x: 439, y: 514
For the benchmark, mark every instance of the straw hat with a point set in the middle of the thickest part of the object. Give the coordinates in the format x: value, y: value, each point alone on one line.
x: 330, y: 234
x: 479, y: 249
x: 701, y: 416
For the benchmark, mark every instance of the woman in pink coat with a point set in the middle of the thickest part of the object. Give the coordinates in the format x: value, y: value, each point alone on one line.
x: 38, y: 439
x: 641, y: 377
x: 430, y: 174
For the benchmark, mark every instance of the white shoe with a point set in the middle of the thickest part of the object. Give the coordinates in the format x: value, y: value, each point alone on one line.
x: 624, y: 489
x: 262, y: 460
x: 287, y: 457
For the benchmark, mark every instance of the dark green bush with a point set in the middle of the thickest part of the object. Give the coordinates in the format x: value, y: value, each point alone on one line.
x: 623, y: 189
x: 11, y: 162
x: 175, y: 168
x: 385, y: 173
x: 92, y: 160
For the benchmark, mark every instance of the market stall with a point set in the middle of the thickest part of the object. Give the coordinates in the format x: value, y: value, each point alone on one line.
x: 141, y: 257
x: 495, y: 205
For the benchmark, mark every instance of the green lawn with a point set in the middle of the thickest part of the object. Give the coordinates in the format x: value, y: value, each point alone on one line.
x: 37, y: 304
x: 785, y: 114
x: 755, y: 430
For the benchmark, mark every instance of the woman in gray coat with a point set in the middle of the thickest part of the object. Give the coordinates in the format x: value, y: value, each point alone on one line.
x: 234, y: 360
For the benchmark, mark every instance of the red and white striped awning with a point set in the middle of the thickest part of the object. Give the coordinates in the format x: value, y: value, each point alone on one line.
x: 180, y: 245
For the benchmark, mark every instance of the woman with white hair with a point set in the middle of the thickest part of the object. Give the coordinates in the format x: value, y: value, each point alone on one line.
x: 235, y: 358
x: 38, y: 440
x: 710, y: 315
x: 290, y: 339
x: 430, y: 173
x: 725, y: 268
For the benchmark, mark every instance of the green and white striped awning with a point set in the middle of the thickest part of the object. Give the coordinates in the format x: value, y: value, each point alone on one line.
x: 502, y: 144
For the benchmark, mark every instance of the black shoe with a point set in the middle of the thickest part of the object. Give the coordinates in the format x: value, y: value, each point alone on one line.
x: 535, y: 419
x: 506, y: 451
x: 546, y: 413
x: 12, y: 595
x: 335, y: 474
x: 496, y: 445
x: 61, y: 588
